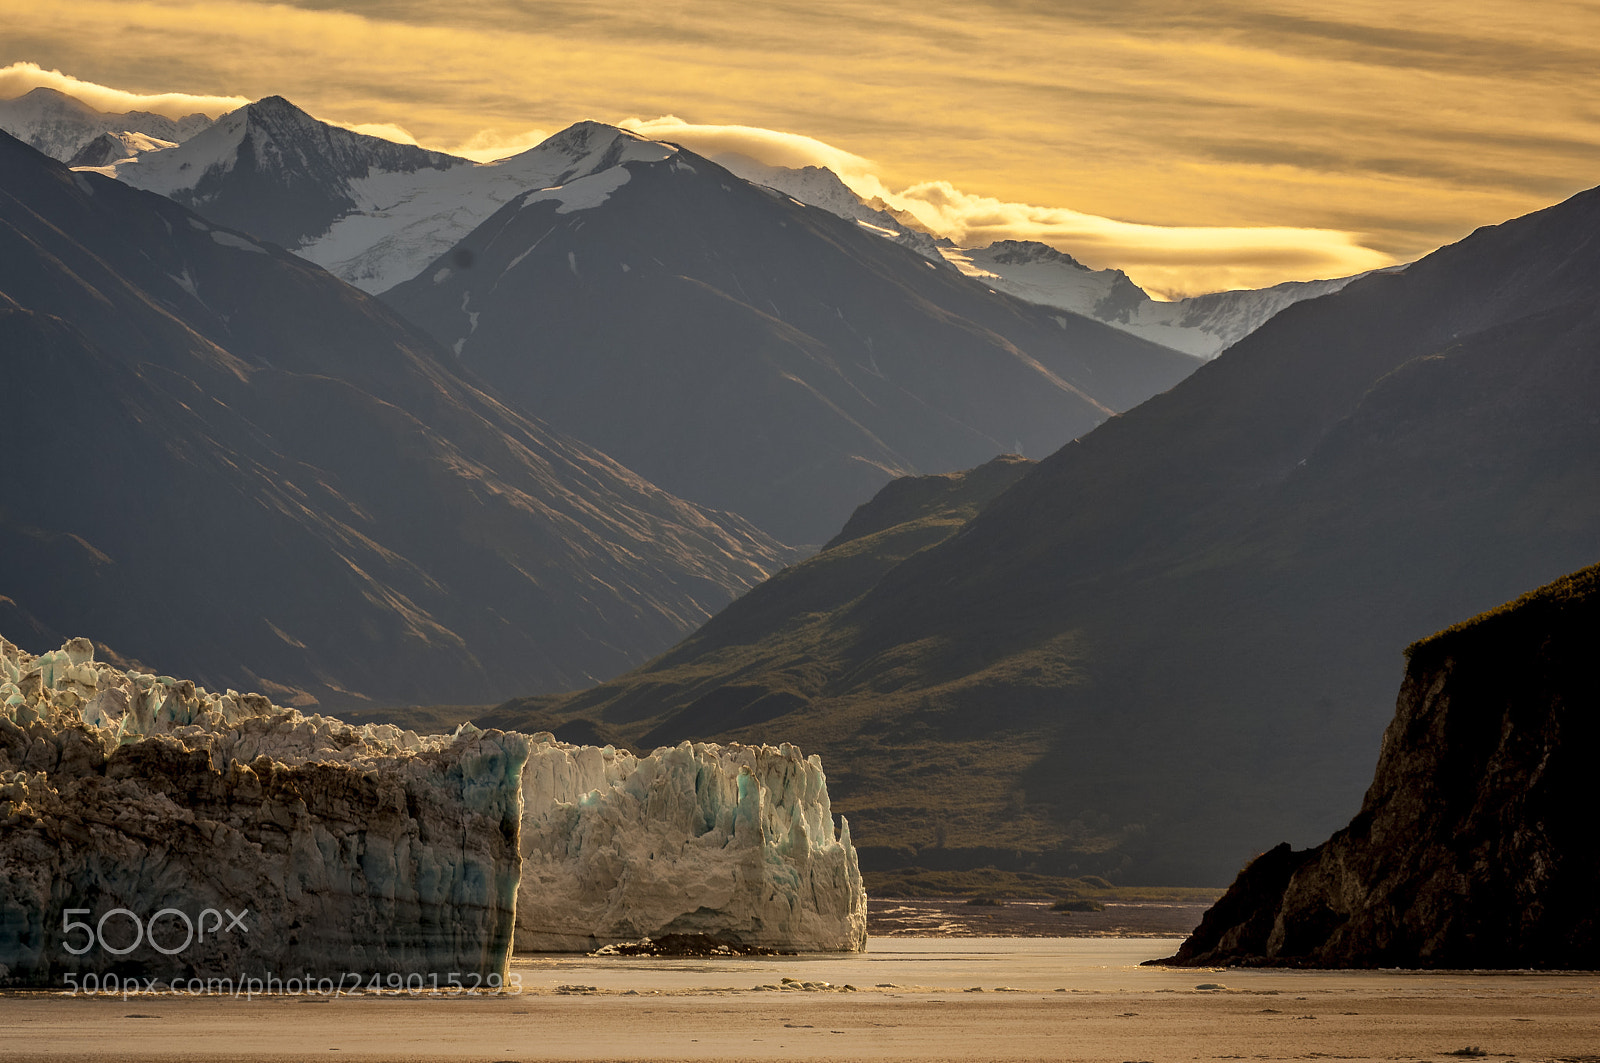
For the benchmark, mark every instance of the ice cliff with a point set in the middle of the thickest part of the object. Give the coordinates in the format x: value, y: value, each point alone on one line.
x: 139, y: 814
x: 735, y: 842
x: 1475, y: 846
x: 353, y: 851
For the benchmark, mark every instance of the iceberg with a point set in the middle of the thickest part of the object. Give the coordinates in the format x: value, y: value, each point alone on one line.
x: 152, y: 829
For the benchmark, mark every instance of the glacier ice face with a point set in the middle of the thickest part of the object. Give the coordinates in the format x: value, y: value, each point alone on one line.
x: 375, y: 850
x: 345, y: 851
x: 735, y: 842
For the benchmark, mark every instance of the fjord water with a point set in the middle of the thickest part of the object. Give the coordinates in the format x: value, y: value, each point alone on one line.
x: 1030, y: 965
x: 1108, y: 1010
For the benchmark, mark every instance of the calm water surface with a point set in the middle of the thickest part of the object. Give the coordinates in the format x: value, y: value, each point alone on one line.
x: 1096, y: 965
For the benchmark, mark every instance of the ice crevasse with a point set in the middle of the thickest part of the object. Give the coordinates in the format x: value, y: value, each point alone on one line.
x: 372, y: 850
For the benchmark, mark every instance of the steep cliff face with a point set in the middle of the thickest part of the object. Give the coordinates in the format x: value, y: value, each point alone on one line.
x: 1475, y: 844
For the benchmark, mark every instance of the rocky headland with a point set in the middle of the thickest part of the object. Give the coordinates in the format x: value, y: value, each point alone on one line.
x: 1474, y: 847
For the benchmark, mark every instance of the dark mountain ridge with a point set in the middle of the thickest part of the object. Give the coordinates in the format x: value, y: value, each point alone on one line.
x: 1473, y: 847
x: 224, y: 459
x: 1173, y: 636
x: 755, y: 354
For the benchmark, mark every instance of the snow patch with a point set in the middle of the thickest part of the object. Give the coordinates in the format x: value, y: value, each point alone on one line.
x: 877, y: 230
x: 238, y: 242
x: 585, y: 193
x: 186, y: 282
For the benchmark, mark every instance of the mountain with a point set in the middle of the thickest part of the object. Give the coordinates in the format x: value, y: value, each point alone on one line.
x: 222, y: 458
x: 751, y: 353
x: 818, y: 186
x: 782, y: 621
x: 1473, y: 848
x: 61, y: 126
x: 272, y: 170
x: 1176, y: 636
x: 107, y: 150
x: 370, y: 211
x: 1202, y: 326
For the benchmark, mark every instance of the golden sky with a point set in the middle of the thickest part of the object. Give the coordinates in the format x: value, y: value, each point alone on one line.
x: 1196, y: 145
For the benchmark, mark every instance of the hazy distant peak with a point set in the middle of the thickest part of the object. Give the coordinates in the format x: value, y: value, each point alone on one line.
x: 44, y: 97
x: 1017, y: 252
x: 110, y: 149
x: 61, y: 125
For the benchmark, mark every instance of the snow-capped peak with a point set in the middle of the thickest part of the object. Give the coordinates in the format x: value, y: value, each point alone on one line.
x: 61, y: 126
x: 403, y: 221
x: 580, y: 150
x: 818, y: 186
x: 281, y: 141
x: 1039, y: 273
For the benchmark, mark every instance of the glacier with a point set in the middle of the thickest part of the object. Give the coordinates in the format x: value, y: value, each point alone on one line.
x: 136, y: 809
x: 733, y: 842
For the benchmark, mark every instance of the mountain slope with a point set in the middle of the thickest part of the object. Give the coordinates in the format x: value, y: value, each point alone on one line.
x: 1176, y: 636
x: 61, y: 126
x: 221, y: 457
x: 1202, y: 325
x: 751, y: 353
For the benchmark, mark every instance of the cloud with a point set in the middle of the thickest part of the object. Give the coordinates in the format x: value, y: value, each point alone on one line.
x: 21, y: 78
x: 487, y: 145
x: 381, y: 130
x: 764, y: 145
x: 1408, y: 124
x: 1168, y: 261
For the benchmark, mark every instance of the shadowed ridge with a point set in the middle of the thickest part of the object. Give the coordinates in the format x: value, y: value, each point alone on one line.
x: 1471, y: 849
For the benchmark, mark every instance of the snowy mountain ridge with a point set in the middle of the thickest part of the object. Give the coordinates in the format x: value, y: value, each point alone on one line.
x: 1202, y: 326
x: 377, y: 213
x: 402, y: 222
x: 61, y: 126
x: 818, y: 186
x: 370, y: 211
